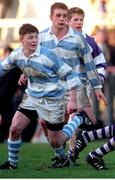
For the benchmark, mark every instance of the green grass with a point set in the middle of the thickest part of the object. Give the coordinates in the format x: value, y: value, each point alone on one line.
x: 35, y: 158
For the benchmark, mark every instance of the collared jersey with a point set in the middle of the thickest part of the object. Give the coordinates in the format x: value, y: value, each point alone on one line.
x: 76, y: 52
x: 97, y: 55
x: 44, y: 71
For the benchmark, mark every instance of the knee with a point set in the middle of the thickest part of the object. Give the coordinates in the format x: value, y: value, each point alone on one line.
x: 15, y: 132
x: 44, y: 127
x: 42, y: 122
x: 56, y: 142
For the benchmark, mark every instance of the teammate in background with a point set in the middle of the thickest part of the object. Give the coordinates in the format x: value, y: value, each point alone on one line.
x: 45, y: 93
x: 70, y: 44
x: 76, y: 20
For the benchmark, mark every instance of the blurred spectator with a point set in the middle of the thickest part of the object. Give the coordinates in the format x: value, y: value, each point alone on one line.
x: 111, y: 42
x: 8, y: 9
x: 102, y: 6
x: 110, y: 82
x: 7, y: 50
x: 106, y: 41
x: 101, y: 36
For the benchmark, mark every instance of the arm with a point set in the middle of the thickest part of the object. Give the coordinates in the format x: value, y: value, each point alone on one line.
x: 88, y: 63
x: 6, y: 65
x: 22, y: 80
x: 91, y: 71
x: 98, y: 58
x: 101, y: 66
x: 72, y: 104
x: 64, y: 71
x: 71, y: 77
x: 99, y: 95
x: 100, y: 63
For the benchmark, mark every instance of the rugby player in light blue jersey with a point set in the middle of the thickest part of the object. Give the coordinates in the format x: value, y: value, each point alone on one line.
x: 45, y: 93
x: 76, y: 20
x: 68, y: 43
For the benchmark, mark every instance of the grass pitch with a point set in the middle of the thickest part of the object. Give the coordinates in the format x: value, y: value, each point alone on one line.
x: 35, y: 158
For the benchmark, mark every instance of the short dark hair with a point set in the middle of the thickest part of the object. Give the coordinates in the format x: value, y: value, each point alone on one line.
x: 58, y: 5
x: 27, y: 28
x: 75, y: 10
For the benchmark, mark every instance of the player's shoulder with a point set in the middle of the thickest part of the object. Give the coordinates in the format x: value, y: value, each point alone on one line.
x: 90, y: 37
x: 91, y: 40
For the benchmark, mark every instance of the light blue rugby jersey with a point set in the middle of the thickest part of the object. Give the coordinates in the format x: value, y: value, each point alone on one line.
x: 44, y: 71
x: 75, y: 50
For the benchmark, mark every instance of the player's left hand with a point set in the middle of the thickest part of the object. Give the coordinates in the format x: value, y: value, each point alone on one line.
x: 100, y: 96
x: 71, y: 107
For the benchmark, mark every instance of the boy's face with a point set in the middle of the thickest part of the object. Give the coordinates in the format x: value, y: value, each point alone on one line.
x: 29, y: 41
x: 76, y: 22
x: 59, y: 18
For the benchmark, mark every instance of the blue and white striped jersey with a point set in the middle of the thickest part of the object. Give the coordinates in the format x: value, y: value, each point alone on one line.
x: 76, y: 52
x: 44, y: 71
